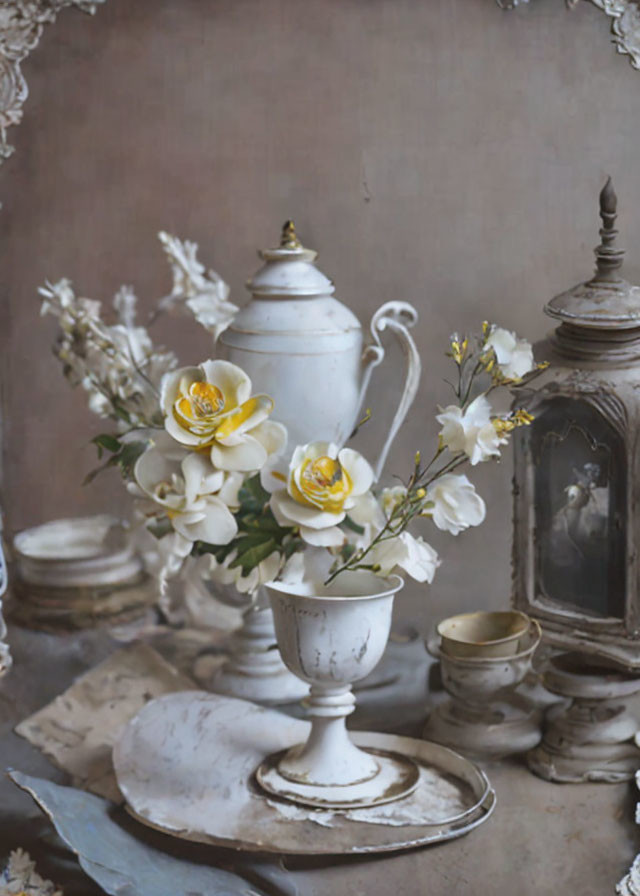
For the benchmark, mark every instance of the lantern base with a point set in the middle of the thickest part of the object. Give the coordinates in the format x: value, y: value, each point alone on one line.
x: 620, y: 764
x: 590, y: 737
x: 507, y: 726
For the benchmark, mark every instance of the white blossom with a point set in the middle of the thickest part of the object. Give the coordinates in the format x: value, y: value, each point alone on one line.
x: 456, y: 504
x: 187, y: 492
x: 514, y: 356
x: 412, y: 555
x: 117, y: 365
x: 203, y: 292
x: 21, y: 878
x: 471, y: 431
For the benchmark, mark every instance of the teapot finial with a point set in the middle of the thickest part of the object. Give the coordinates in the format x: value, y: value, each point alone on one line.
x: 289, y: 238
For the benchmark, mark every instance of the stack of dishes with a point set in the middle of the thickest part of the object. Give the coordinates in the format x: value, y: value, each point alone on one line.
x: 78, y: 573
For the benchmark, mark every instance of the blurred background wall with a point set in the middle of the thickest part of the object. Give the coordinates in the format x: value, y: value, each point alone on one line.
x: 438, y: 151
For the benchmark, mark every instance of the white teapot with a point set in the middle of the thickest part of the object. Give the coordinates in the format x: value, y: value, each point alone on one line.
x: 303, y: 347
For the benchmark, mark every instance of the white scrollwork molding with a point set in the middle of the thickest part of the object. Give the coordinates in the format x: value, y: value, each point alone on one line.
x: 625, y: 26
x: 21, y: 25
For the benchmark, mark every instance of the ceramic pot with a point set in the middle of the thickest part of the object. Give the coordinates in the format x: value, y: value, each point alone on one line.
x: 331, y: 637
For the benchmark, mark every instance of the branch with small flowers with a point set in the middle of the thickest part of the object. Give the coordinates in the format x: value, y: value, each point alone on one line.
x: 117, y: 363
x: 470, y: 433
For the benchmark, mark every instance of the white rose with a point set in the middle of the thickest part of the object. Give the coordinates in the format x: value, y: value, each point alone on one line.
x: 413, y: 555
x: 471, y: 431
x: 514, y: 356
x: 323, y: 483
x: 456, y: 504
x: 211, y: 407
x: 186, y: 492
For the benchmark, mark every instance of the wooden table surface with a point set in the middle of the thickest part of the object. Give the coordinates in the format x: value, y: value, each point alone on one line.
x: 542, y: 839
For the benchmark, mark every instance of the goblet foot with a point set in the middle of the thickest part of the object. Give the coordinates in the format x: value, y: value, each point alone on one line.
x: 329, y: 770
x: 396, y: 777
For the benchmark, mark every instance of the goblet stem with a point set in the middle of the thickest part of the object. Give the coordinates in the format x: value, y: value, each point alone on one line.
x: 328, y: 757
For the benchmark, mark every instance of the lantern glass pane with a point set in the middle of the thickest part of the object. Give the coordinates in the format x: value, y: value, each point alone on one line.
x: 580, y: 487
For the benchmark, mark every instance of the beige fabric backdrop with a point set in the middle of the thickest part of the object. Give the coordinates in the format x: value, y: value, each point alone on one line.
x: 440, y: 151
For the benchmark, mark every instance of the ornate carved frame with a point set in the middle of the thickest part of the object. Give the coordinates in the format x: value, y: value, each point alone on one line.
x: 566, y: 627
x: 625, y: 26
x: 21, y: 25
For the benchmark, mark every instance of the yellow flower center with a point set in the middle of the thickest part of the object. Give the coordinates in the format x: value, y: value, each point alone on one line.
x: 198, y: 411
x: 323, y: 483
x: 204, y: 400
x: 211, y: 415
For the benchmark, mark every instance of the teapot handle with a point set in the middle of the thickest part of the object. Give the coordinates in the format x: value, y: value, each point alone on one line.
x: 397, y: 317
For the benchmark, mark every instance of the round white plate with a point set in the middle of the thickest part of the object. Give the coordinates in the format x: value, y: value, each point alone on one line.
x: 186, y: 763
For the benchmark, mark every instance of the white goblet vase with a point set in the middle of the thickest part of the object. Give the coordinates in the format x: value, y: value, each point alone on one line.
x: 331, y: 637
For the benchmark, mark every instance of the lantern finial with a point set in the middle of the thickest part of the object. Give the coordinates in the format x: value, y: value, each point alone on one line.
x: 289, y: 238
x: 609, y: 257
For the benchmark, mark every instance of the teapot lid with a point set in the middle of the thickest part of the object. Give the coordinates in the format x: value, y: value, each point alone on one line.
x: 289, y: 270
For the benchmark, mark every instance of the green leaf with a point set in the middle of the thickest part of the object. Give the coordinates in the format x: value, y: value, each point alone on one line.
x: 105, y: 441
x: 128, y: 457
x: 348, y: 523
x: 120, y: 411
x: 252, y: 553
x: 266, y: 522
x: 252, y: 495
x: 293, y: 546
x: 220, y: 552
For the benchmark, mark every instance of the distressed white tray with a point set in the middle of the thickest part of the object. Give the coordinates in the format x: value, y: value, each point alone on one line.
x: 185, y: 765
